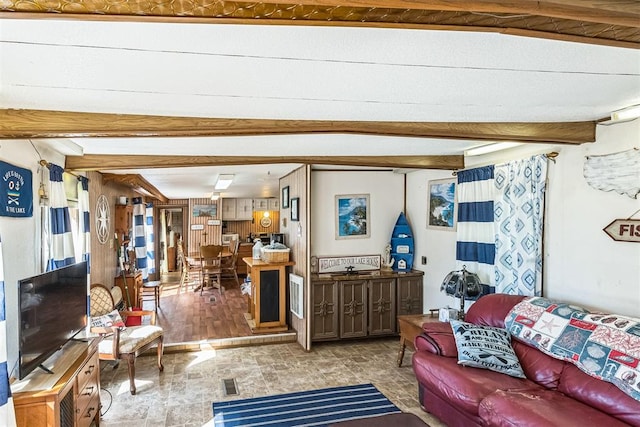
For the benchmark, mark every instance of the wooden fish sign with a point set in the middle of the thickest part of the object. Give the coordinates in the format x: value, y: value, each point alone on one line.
x: 624, y: 230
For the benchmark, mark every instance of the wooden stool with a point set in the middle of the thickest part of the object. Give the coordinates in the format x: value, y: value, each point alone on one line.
x: 148, y: 288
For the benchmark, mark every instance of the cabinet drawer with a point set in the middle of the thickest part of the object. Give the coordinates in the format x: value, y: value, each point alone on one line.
x: 88, y: 414
x: 88, y: 372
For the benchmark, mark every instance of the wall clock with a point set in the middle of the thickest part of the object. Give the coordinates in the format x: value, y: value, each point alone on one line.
x: 265, y: 221
x: 103, y: 219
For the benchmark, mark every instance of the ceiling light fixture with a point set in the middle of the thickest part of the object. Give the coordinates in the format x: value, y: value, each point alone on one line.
x: 630, y: 113
x: 215, y: 196
x: 223, y: 182
x: 490, y: 148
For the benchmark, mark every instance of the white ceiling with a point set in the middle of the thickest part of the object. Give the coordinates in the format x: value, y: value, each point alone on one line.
x: 297, y: 72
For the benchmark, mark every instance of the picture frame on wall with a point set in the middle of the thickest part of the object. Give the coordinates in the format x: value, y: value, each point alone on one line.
x: 352, y: 216
x: 295, y: 209
x: 205, y: 210
x: 442, y: 206
x: 285, y: 198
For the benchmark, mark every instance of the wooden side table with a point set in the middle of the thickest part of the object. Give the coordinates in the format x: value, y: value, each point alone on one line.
x: 410, y: 327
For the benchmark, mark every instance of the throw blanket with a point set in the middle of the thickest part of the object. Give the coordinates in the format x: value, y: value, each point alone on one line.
x: 605, y: 346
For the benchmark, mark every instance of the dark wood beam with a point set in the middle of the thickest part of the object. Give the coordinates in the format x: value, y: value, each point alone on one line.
x: 94, y: 162
x: 22, y: 124
x: 137, y: 184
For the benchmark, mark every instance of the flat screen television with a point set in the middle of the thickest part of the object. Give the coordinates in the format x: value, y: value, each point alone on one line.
x: 53, y: 309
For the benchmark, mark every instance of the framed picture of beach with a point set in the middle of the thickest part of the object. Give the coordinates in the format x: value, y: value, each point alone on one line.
x: 441, y: 204
x: 352, y: 216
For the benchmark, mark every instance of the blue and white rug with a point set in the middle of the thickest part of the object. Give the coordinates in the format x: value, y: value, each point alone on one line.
x: 305, y: 408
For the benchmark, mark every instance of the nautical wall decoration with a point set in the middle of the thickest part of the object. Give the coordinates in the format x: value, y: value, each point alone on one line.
x: 402, y: 245
x: 16, y: 191
x: 624, y: 230
x: 619, y: 172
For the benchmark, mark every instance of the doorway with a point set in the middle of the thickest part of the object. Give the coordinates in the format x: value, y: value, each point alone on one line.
x: 171, y: 231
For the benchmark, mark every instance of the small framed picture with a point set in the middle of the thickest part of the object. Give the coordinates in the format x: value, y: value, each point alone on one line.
x: 352, y: 216
x: 285, y: 198
x: 295, y: 209
x: 441, y: 203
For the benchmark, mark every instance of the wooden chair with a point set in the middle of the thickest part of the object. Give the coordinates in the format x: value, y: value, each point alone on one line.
x: 124, y: 344
x: 228, y: 264
x: 210, y: 257
x: 190, y: 272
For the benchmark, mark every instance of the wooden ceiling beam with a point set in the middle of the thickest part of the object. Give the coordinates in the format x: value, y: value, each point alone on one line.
x: 22, y: 124
x: 94, y: 162
x: 137, y: 183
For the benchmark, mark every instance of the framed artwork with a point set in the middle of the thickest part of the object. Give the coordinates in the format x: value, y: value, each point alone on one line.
x: 352, y: 216
x: 442, y: 207
x: 205, y: 210
x: 285, y: 198
x: 295, y: 209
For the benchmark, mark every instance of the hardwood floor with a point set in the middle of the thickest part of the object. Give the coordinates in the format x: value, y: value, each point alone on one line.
x: 188, y: 317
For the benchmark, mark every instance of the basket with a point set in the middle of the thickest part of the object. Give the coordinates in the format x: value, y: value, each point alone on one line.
x: 275, y: 255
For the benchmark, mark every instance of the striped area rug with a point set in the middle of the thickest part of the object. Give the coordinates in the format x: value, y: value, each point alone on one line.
x: 305, y: 408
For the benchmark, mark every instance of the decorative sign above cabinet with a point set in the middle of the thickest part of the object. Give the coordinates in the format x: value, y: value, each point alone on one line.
x: 340, y: 264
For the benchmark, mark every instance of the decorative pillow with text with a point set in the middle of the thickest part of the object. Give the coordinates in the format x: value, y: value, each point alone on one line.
x: 108, y: 320
x: 486, y: 347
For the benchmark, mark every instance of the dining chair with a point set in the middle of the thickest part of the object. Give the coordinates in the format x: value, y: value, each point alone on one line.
x: 228, y: 263
x: 210, y: 256
x: 190, y: 271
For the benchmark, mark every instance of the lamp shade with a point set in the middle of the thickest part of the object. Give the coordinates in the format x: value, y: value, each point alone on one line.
x: 460, y: 283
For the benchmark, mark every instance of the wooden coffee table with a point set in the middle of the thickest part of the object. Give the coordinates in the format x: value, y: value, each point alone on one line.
x: 410, y: 328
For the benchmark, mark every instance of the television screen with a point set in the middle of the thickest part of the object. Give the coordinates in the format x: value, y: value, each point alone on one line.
x: 53, y: 309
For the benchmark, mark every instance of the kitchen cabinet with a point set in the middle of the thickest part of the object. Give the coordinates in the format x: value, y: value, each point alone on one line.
x: 274, y: 204
x: 237, y: 209
x: 346, y: 307
x: 260, y: 204
x: 130, y: 291
x: 244, y: 250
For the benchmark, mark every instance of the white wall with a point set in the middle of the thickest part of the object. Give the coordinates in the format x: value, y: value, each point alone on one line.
x: 21, y: 236
x: 439, y: 246
x: 386, y: 196
x: 582, y: 264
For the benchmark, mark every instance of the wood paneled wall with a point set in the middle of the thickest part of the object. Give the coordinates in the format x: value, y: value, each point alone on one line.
x: 210, y: 234
x: 104, y: 257
x: 243, y: 228
x: 297, y: 237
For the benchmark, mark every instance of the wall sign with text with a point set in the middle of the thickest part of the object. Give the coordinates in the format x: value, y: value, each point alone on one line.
x: 624, y: 230
x: 16, y: 191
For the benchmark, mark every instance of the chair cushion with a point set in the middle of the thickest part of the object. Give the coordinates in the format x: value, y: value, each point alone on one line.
x: 132, y: 339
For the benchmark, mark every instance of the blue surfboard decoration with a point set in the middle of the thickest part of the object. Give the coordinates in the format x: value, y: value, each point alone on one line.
x: 402, y: 247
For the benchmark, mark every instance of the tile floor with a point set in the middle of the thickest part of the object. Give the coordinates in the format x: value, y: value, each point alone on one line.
x: 182, y: 395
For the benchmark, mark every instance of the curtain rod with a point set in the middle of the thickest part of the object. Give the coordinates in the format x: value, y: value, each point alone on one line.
x: 551, y: 156
x: 47, y: 165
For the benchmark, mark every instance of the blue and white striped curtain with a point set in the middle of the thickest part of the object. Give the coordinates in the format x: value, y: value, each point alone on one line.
x: 519, y: 218
x: 151, y: 254
x: 475, y: 245
x: 7, y: 412
x: 60, y: 238
x: 84, y: 219
x: 139, y: 237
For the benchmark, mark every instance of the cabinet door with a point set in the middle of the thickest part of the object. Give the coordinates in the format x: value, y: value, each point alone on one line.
x: 122, y: 219
x: 244, y: 209
x: 324, y: 296
x: 274, y: 204
x: 260, y: 204
x: 228, y: 208
x: 410, y: 292
x: 382, y: 306
x: 353, y: 308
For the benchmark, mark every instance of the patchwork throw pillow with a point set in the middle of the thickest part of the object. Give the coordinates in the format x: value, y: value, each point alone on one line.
x: 108, y: 320
x: 486, y: 347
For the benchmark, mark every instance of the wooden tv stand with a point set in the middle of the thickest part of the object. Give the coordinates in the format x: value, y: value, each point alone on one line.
x: 68, y: 397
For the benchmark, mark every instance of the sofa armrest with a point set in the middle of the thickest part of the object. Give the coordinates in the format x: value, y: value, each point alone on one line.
x: 437, y: 338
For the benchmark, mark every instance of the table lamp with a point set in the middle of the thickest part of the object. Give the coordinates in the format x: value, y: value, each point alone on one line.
x: 462, y: 284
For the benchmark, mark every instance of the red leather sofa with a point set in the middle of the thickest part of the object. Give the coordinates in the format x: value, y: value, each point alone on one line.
x: 555, y: 393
